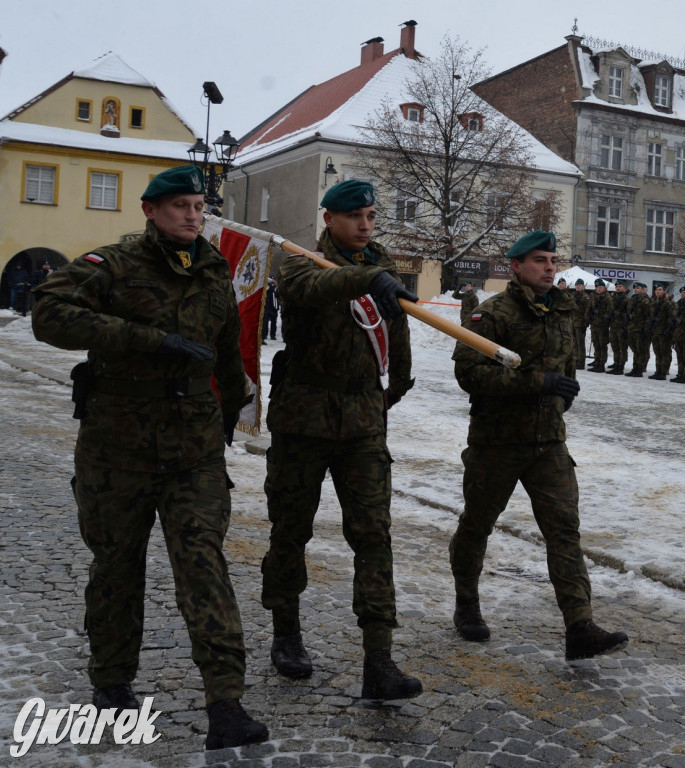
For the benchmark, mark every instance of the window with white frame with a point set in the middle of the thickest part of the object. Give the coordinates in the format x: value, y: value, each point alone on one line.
x: 104, y: 190
x: 680, y: 163
x: 457, y: 216
x: 616, y: 82
x: 660, y: 227
x: 608, y: 225
x: 542, y: 215
x: 662, y: 91
x: 654, y: 155
x: 414, y: 115
x: 494, y: 211
x: 611, y: 152
x: 40, y: 184
x: 405, y: 208
x: 264, y: 212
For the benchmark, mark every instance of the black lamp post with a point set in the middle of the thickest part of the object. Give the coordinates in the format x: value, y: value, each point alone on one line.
x: 225, y: 148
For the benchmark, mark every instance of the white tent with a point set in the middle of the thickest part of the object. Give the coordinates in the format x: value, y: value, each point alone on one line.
x: 571, y: 275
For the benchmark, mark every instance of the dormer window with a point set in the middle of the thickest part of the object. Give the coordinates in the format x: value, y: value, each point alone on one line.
x: 616, y: 82
x: 472, y: 121
x: 413, y: 112
x: 662, y: 91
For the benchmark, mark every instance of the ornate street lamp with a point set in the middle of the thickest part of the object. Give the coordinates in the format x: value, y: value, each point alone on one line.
x: 214, y: 169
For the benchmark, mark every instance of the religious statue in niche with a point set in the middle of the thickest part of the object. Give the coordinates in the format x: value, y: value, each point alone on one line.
x: 110, y: 113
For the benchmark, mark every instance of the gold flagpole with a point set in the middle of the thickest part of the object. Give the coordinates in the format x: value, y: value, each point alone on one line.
x: 489, y: 348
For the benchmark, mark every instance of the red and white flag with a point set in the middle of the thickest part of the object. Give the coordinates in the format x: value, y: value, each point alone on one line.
x: 249, y: 259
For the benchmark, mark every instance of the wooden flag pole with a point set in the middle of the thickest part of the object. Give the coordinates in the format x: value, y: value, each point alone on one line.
x: 489, y: 348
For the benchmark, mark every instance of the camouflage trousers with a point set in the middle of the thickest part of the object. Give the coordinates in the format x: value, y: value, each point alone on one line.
x: 116, y: 511
x: 663, y: 352
x: 638, y: 342
x: 600, y: 343
x: 546, y: 471
x: 360, y: 470
x: 679, y: 346
x: 579, y: 345
x: 619, y: 346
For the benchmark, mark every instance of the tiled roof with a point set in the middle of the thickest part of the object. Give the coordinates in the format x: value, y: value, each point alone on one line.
x: 317, y: 103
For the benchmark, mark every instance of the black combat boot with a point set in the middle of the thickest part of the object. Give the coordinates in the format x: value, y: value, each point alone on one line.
x: 290, y: 657
x: 231, y: 726
x: 636, y: 372
x: 678, y: 379
x: 383, y: 680
x: 617, y: 371
x: 585, y: 639
x: 468, y: 620
x: 118, y: 697
x: 599, y: 368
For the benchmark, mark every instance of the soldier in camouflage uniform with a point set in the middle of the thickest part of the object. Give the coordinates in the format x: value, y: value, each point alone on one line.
x: 618, y: 328
x: 469, y: 301
x: 598, y: 317
x: 517, y: 433
x: 662, y: 325
x: 159, y: 318
x: 639, y: 331
x: 579, y: 315
x: 328, y: 412
x: 679, y: 338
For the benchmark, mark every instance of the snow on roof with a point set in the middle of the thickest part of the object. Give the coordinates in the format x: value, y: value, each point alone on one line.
x: 65, y: 137
x: 345, y: 123
x: 111, y: 68
x: 589, y: 77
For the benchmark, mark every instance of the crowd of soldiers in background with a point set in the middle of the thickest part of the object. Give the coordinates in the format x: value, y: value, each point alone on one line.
x: 623, y: 321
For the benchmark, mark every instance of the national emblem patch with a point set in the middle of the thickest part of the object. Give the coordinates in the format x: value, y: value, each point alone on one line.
x: 94, y: 258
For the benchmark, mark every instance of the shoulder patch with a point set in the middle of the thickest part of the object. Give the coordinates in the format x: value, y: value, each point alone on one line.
x: 476, y: 316
x: 94, y: 257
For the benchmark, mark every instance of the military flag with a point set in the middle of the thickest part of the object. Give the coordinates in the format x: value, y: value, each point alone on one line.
x: 249, y: 259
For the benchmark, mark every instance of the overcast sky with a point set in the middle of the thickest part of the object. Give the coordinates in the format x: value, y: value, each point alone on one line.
x: 263, y: 53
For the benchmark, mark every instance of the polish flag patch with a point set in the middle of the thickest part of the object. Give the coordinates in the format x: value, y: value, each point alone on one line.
x: 476, y: 316
x: 94, y: 258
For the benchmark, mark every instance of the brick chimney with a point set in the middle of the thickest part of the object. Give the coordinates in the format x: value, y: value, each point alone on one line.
x: 407, y: 39
x: 372, y: 49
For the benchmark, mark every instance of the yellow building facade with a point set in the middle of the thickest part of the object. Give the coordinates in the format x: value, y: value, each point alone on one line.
x: 74, y: 161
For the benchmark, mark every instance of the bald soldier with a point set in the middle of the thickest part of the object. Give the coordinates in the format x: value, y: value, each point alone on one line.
x: 517, y: 433
x: 158, y: 317
x: 328, y: 412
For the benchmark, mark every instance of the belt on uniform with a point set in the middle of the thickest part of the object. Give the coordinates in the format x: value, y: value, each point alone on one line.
x: 154, y: 388
x: 334, y: 383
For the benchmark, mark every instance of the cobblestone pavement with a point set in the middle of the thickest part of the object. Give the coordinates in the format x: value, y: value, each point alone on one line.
x: 511, y: 702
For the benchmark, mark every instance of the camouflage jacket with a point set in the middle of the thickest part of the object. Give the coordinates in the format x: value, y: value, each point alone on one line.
x: 468, y: 303
x: 507, y: 407
x: 580, y: 309
x: 119, y: 302
x: 326, y: 348
x: 679, y: 332
x: 663, y: 317
x: 620, y: 307
x: 599, y: 313
x: 640, y: 314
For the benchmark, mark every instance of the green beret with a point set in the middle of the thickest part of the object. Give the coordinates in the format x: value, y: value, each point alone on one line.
x: 579, y: 281
x: 184, y: 180
x: 533, y: 241
x: 682, y: 289
x: 599, y: 282
x: 349, y: 196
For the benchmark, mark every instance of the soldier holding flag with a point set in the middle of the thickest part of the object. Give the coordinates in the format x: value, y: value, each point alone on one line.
x: 328, y: 412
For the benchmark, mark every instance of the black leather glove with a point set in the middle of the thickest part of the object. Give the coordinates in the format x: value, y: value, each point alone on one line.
x: 230, y: 420
x: 385, y: 291
x: 176, y: 346
x: 558, y: 384
x: 390, y: 399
